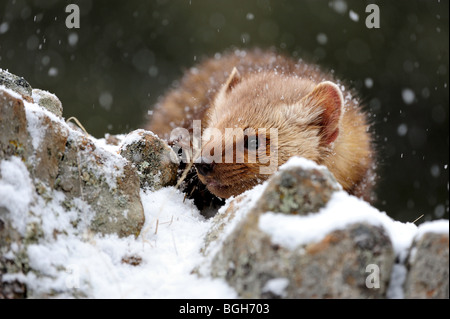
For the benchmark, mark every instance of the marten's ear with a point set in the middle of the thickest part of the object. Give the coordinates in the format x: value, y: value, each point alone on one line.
x: 328, y: 98
x: 232, y: 80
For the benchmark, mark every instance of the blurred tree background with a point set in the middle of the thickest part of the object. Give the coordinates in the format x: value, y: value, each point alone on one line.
x: 110, y: 71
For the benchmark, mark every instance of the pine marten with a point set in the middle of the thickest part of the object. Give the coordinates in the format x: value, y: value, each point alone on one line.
x: 316, y: 117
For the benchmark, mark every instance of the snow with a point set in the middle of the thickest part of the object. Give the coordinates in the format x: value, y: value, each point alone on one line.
x: 242, y: 208
x: 322, y: 38
x: 340, y: 6
x: 440, y: 226
x: 72, y: 39
x: 134, y: 137
x: 101, y: 142
x: 53, y: 71
x: 408, y: 96
x: 250, y: 16
x: 276, y: 286
x: 34, y: 126
x: 368, y: 82
x: 9, y: 91
x: 16, y: 192
x: 402, y: 129
x: 353, y: 16
x: 398, y: 277
x: 291, y: 231
x: 167, y: 249
x: 4, y: 27
x: 302, y: 163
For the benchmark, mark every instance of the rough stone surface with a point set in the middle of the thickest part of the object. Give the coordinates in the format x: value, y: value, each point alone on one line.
x: 155, y: 161
x: 334, y: 267
x: 48, y: 101
x: 19, y: 264
x: 47, y: 156
x: 14, y: 139
x: 82, y: 174
x: 69, y: 161
x: 298, y: 191
x: 59, y: 159
x: 428, y: 264
x: 16, y: 83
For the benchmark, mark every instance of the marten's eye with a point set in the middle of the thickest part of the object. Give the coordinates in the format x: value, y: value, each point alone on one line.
x: 251, y: 142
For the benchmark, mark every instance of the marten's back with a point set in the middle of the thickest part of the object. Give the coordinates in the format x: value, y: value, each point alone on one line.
x: 192, y: 96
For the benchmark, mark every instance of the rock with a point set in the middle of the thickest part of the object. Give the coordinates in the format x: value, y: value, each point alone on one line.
x: 428, y: 264
x: 298, y: 191
x: 48, y: 136
x: 155, y: 162
x: 60, y: 158
x: 333, y: 267
x: 14, y: 137
x: 107, y: 182
x: 17, y: 263
x: 112, y: 139
x: 48, y: 101
x: 56, y: 176
x: 17, y: 84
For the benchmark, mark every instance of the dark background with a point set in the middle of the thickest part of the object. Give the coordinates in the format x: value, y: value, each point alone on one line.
x: 111, y: 71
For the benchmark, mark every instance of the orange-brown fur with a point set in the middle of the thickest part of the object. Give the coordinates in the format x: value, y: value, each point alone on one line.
x: 271, y: 90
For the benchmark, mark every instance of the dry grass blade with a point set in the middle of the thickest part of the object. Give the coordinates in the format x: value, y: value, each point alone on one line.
x: 74, y: 119
x: 418, y: 218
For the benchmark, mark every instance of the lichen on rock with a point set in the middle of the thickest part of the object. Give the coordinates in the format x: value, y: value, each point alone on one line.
x: 333, y: 267
x: 155, y: 162
x: 428, y: 266
x: 55, y: 181
x: 48, y: 101
x: 16, y: 83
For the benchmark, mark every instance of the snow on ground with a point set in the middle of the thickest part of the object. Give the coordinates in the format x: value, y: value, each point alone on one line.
x: 167, y: 251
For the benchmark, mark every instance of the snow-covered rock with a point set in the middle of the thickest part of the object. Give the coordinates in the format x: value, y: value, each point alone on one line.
x: 55, y: 180
x: 300, y: 239
x: 156, y: 163
x: 428, y: 262
x: 16, y: 83
x: 48, y: 100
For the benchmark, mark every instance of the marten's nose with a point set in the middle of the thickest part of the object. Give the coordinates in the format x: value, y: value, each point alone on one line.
x: 203, y: 167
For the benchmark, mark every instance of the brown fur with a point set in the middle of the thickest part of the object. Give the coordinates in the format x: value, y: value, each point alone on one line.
x: 267, y: 90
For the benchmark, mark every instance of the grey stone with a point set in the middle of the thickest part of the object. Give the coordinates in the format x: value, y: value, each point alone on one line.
x: 16, y: 83
x: 428, y: 265
x: 14, y: 137
x: 334, y: 267
x: 48, y: 101
x: 18, y: 264
x: 69, y: 161
x: 298, y: 191
x: 155, y: 162
x: 83, y: 173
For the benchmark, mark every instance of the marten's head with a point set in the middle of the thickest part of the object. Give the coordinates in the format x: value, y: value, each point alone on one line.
x: 257, y: 122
